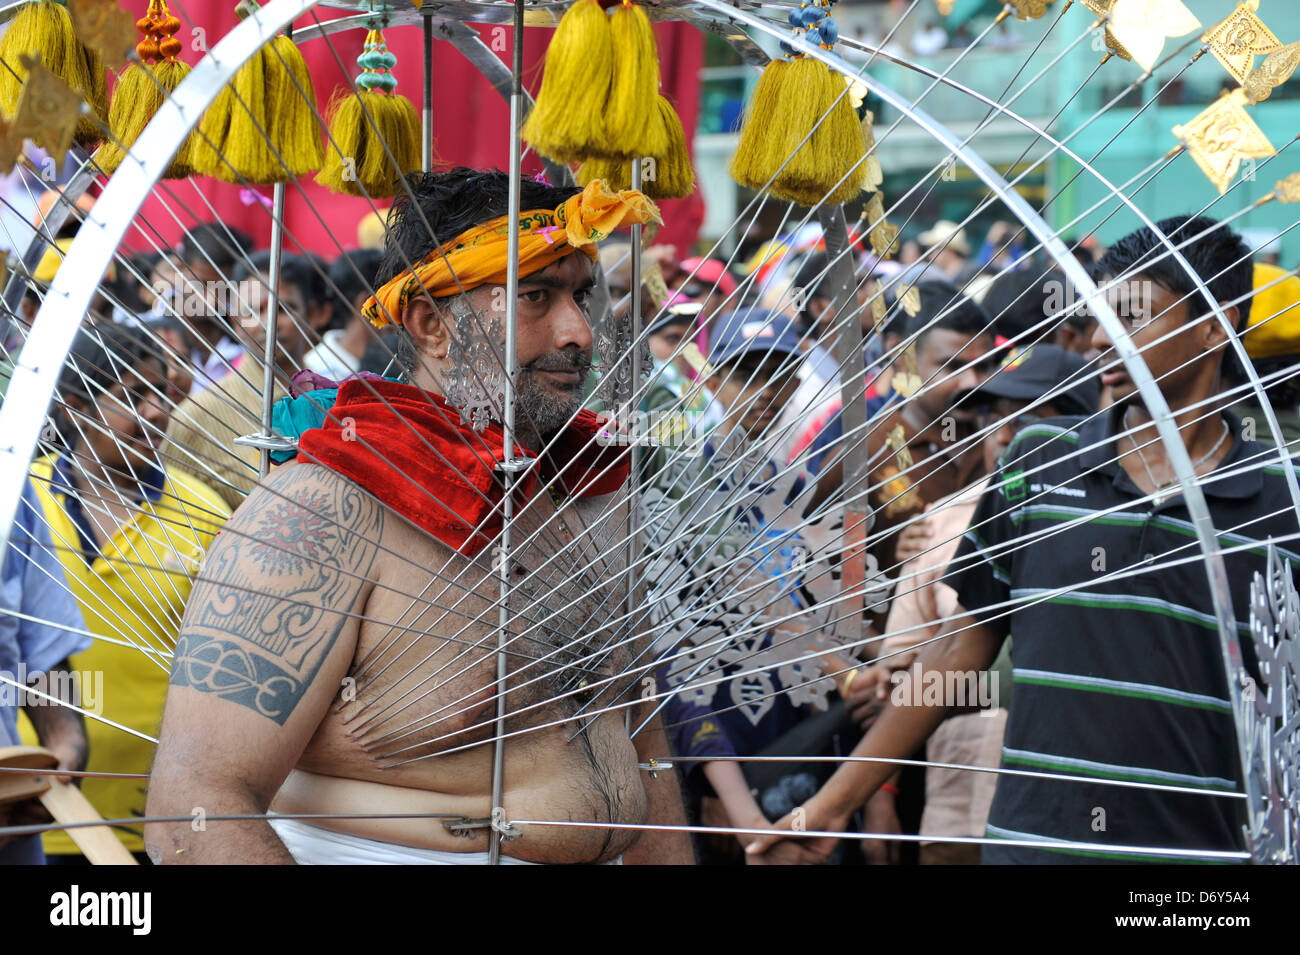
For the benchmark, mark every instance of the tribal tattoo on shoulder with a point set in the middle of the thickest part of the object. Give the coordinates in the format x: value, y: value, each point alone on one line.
x: 276, y: 591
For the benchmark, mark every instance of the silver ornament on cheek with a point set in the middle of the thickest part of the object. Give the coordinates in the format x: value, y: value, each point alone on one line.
x: 474, y: 383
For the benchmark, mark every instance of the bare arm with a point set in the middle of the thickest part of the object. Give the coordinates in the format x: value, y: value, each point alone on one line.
x: 269, y: 632
x: 728, y: 781
x: 963, y: 646
x: 61, y: 729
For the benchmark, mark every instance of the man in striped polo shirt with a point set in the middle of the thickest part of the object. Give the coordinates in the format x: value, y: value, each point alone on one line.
x: 1083, y: 548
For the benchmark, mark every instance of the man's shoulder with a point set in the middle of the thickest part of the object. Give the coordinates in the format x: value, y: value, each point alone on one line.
x: 307, y: 491
x: 1046, y: 439
x: 295, y: 477
x: 1273, y: 467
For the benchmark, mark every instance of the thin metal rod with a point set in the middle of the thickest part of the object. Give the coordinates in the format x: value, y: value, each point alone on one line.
x: 508, y: 413
x: 634, y: 384
x: 1216, y: 854
x: 272, y: 313
x: 426, y: 138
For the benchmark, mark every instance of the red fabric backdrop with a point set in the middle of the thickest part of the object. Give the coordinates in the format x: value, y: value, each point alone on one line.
x: 471, y: 127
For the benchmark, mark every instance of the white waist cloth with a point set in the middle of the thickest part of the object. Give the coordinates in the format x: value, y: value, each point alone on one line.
x: 311, y: 845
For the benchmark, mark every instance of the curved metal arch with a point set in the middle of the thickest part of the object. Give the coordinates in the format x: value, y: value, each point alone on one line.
x: 37, y: 367
x: 41, y: 359
x: 1137, y: 369
x: 1234, y: 341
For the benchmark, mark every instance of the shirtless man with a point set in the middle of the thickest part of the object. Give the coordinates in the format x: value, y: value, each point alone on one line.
x: 337, y: 654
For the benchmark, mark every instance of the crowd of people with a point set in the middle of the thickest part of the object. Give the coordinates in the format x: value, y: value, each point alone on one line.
x: 959, y: 411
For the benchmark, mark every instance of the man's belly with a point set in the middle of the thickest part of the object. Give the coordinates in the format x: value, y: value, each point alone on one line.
x: 546, y: 777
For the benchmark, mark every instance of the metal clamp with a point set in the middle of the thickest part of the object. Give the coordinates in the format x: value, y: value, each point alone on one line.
x: 268, y: 442
x: 654, y: 766
x: 467, y: 828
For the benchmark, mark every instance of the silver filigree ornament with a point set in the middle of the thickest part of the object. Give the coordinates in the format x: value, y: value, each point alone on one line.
x: 751, y: 598
x: 475, y: 383
x: 1270, y: 716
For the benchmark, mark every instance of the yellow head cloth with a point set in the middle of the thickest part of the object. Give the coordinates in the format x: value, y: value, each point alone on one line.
x: 1274, y: 314
x: 478, y: 255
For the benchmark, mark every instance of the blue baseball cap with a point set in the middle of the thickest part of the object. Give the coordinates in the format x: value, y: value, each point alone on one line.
x: 751, y: 329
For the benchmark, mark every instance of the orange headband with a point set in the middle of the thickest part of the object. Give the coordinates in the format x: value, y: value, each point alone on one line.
x: 478, y: 255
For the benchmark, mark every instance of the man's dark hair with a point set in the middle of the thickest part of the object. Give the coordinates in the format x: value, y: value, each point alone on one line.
x: 253, y: 265
x: 1019, y: 300
x: 1217, y: 254
x: 219, y: 245
x: 100, y: 357
x: 130, y: 289
x: 295, y: 270
x: 383, y: 350
x: 353, y: 273
x: 307, y: 273
x: 448, y: 203
x: 942, y: 306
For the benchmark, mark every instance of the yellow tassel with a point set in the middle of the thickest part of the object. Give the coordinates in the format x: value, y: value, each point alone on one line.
x: 568, y: 120
x: 247, y: 149
x: 135, y: 101
x: 792, y: 96
x: 673, y: 177
x: 356, y: 162
x: 291, y: 109
x: 214, y: 127
x: 616, y: 174
x: 44, y: 27
x: 143, y: 88
x: 633, y: 123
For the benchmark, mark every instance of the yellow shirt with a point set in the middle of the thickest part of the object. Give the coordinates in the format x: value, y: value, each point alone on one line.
x: 133, y: 594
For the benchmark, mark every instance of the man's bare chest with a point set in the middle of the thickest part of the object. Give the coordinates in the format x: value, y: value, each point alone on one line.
x: 425, y: 668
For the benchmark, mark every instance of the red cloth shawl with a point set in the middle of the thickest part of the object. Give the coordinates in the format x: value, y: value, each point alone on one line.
x: 409, y: 449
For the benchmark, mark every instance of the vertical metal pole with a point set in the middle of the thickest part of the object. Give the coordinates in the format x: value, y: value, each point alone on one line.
x: 508, y: 413
x: 633, y: 500
x: 853, y: 375
x: 272, y: 311
x: 426, y: 139
x: 636, y: 291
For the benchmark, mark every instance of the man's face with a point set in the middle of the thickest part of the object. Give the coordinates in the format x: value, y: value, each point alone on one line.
x: 200, y: 280
x: 1005, y: 418
x: 129, y: 420
x: 822, y: 311
x: 1149, y: 313
x: 713, y: 300
x: 554, y: 340
x: 1077, y: 338
x: 251, y: 326
x: 754, y: 389
x: 951, y: 364
x: 180, y: 376
x: 665, y: 342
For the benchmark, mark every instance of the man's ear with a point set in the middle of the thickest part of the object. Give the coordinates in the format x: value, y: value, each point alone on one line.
x: 427, y: 326
x: 1213, y: 335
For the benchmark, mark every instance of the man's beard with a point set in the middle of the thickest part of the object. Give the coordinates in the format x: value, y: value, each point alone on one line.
x: 541, y: 409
